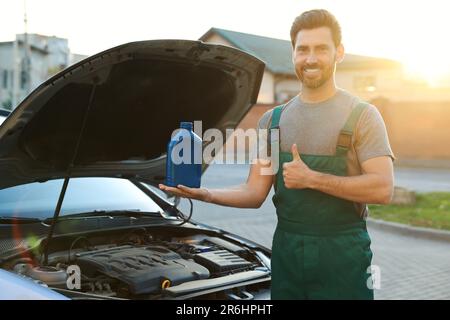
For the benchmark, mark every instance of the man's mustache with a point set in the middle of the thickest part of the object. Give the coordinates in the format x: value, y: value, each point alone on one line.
x: 312, y: 66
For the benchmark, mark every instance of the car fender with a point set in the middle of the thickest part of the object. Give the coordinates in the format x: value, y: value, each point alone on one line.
x: 16, y: 287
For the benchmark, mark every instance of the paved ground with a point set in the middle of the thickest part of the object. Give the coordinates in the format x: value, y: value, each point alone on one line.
x: 411, y: 268
x: 423, y: 180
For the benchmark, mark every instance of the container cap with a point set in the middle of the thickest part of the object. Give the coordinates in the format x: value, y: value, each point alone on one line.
x: 186, y: 125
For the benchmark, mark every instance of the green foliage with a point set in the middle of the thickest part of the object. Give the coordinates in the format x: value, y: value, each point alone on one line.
x: 432, y: 210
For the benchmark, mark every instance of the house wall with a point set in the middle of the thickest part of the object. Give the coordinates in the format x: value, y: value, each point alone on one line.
x: 371, y: 83
x: 267, y: 91
x: 286, y: 87
x: 418, y: 130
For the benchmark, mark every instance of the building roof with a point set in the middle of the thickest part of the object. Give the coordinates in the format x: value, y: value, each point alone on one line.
x: 276, y: 53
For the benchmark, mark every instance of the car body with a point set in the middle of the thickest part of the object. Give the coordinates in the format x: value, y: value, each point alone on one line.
x: 81, y: 216
x: 3, y: 114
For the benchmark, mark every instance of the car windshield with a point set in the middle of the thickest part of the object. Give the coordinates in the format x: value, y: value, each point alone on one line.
x: 39, y: 199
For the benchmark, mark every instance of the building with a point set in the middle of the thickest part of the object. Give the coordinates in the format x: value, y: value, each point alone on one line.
x: 46, y: 55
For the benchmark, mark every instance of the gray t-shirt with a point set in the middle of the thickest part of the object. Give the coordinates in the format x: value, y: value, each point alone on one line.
x: 315, y: 128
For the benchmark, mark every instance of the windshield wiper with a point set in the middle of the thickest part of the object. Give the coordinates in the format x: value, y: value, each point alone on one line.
x: 18, y: 220
x: 91, y: 214
x: 106, y: 214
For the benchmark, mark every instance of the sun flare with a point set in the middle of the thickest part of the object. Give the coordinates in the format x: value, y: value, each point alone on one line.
x: 435, y: 72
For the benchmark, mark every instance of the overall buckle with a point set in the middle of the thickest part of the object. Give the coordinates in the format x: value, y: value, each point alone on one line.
x: 345, y: 139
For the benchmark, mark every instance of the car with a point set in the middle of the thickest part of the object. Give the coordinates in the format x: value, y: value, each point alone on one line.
x: 3, y: 114
x: 81, y: 216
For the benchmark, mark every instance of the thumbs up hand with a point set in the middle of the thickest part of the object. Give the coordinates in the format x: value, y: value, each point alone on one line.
x: 296, y: 174
x: 295, y: 154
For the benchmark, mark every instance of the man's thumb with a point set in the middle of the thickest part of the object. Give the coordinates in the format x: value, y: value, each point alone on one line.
x: 295, y: 155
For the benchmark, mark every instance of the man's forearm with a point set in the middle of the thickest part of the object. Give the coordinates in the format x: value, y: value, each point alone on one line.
x: 366, y: 188
x: 238, y: 196
x: 248, y: 195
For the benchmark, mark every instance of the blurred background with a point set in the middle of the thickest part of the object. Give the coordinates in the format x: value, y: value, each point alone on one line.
x: 397, y: 58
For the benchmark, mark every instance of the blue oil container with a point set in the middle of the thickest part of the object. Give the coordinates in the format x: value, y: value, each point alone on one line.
x: 184, y: 158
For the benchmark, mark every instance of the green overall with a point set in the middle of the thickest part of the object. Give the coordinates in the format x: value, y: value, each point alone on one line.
x: 321, y: 248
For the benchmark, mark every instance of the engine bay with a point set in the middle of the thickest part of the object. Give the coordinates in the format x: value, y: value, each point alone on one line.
x: 142, y: 263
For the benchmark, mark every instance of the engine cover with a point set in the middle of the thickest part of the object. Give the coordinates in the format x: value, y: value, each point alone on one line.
x: 142, y: 268
x: 221, y: 261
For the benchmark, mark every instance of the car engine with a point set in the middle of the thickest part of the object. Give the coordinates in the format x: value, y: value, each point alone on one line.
x: 143, y: 266
x: 144, y: 269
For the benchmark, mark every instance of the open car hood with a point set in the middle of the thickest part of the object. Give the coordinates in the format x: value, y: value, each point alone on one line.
x: 130, y: 98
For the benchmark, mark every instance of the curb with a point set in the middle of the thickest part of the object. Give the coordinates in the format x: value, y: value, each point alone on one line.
x: 403, y: 229
x: 422, y: 164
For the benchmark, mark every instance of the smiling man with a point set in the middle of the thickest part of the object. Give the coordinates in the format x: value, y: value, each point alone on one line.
x: 334, y: 158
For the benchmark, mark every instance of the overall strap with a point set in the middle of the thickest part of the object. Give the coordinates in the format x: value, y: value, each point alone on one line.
x: 346, y: 133
x: 274, y: 123
x: 276, y: 115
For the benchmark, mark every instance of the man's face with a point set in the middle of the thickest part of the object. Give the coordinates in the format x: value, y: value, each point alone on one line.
x: 315, y: 56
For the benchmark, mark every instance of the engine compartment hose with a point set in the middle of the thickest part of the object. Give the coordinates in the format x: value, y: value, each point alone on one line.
x: 165, y: 284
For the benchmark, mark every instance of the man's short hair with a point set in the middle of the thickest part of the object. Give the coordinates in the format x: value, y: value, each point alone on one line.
x: 316, y: 18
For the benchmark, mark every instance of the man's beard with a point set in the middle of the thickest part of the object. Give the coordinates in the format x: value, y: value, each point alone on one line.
x: 326, y: 74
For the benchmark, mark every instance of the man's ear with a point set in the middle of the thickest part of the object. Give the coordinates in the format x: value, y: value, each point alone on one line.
x: 340, y: 53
